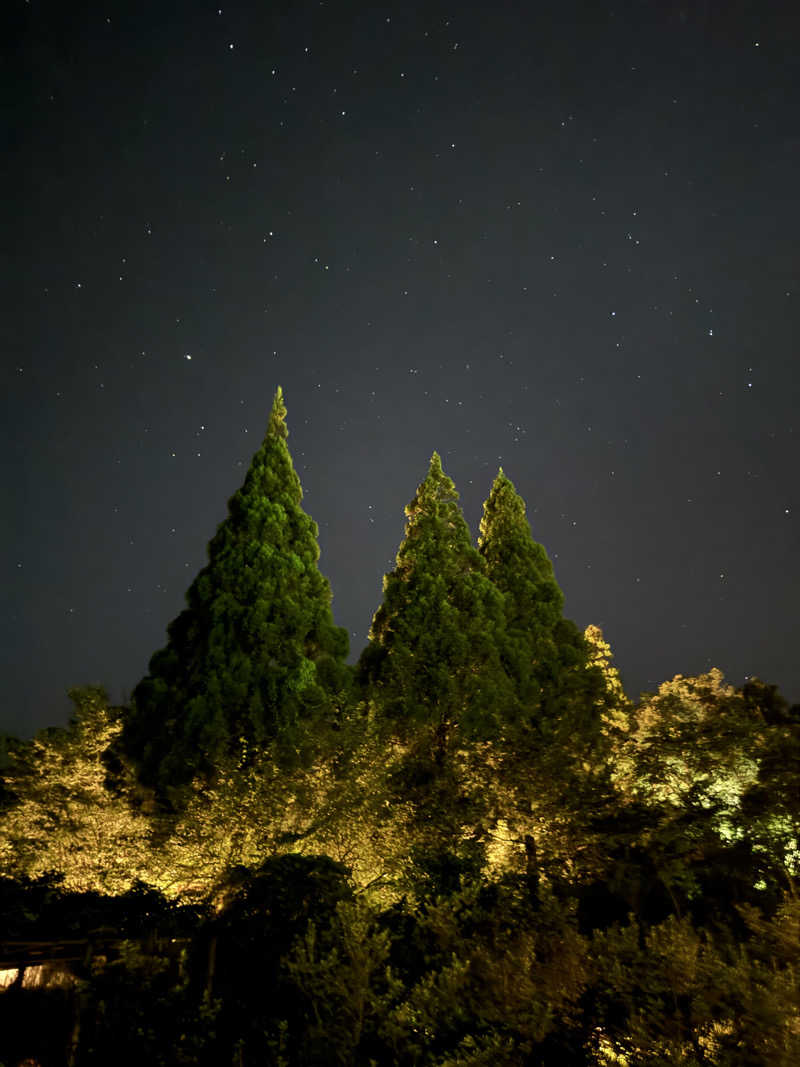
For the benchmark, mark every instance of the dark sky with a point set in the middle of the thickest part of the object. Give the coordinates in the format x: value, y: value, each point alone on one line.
x: 560, y: 237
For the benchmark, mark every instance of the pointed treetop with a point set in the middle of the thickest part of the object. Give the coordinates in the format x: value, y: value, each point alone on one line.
x: 277, y: 417
x: 503, y: 512
x: 600, y: 656
x: 436, y: 500
x: 255, y: 653
x: 545, y: 653
x: 517, y: 564
x: 433, y: 655
x: 271, y: 472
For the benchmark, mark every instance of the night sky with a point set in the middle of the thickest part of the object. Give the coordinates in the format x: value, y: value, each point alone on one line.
x: 558, y: 237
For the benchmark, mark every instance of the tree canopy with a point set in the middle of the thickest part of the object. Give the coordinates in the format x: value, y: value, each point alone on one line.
x: 482, y: 853
x: 555, y: 684
x: 434, y: 655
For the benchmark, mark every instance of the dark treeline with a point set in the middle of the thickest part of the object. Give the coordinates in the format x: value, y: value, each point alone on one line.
x: 470, y: 848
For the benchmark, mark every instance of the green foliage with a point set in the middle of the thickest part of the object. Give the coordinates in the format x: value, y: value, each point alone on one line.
x: 254, y: 657
x: 616, y: 705
x: 519, y: 567
x: 434, y: 652
x: 60, y: 815
x: 678, y: 994
x: 558, y: 689
x: 698, y: 745
x: 770, y: 806
x: 346, y: 984
x: 485, y: 855
x: 435, y: 681
x: 488, y: 973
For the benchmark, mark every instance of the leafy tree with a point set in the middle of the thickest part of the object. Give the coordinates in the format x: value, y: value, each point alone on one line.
x: 266, y: 914
x: 485, y: 980
x: 678, y: 994
x: 692, y: 829
x: 232, y: 822
x: 260, y: 808
x: 770, y: 809
x: 61, y: 816
x: 255, y: 655
x: 696, y: 744
x: 344, y: 981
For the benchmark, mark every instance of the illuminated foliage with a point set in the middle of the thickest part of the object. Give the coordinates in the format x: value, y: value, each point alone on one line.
x: 434, y: 679
x: 770, y: 809
x: 483, y: 855
x: 61, y: 817
x: 600, y: 656
x: 255, y: 656
x: 556, y: 686
x: 258, y: 808
x: 434, y: 651
x: 695, y: 742
x: 520, y: 567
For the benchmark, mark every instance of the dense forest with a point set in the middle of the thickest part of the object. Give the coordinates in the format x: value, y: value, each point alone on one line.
x: 469, y: 848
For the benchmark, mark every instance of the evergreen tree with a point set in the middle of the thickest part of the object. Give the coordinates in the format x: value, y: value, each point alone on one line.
x: 545, y: 653
x: 600, y: 656
x: 255, y: 654
x: 613, y: 704
x: 553, y: 764
x: 436, y: 683
x: 433, y: 656
x: 521, y: 570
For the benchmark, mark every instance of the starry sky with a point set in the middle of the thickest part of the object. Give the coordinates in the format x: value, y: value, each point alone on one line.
x: 557, y: 237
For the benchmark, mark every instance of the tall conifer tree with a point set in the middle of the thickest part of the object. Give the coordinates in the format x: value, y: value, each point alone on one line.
x: 544, y: 653
x: 255, y: 654
x: 434, y: 676
x: 433, y: 656
x: 616, y: 706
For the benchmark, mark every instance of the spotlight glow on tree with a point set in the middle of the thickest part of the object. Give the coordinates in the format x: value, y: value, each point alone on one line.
x: 255, y: 656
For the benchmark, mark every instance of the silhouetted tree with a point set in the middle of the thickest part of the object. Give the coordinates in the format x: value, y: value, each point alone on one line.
x: 771, y: 805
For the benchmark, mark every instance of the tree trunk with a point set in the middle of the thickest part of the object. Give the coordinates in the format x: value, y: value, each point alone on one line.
x: 212, y: 965
x: 532, y: 869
